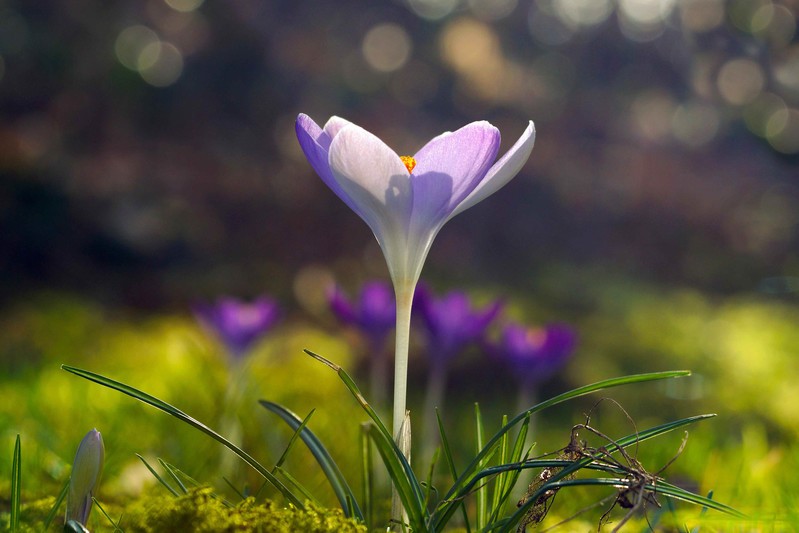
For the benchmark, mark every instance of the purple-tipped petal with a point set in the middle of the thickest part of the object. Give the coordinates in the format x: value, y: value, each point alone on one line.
x: 449, y: 167
x: 315, y: 144
x: 502, y: 171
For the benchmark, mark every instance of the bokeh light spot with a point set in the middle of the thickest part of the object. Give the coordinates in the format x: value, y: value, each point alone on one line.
x: 184, y: 6
x: 582, y: 13
x: 161, y: 64
x: 386, y: 47
x: 652, y: 114
x: 786, y: 70
x: 756, y: 115
x: 782, y: 131
x: 695, y: 124
x: 433, y: 9
x: 740, y: 81
x: 130, y: 44
x: 701, y: 15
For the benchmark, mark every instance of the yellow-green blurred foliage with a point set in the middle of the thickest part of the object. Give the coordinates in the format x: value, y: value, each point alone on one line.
x: 744, y: 352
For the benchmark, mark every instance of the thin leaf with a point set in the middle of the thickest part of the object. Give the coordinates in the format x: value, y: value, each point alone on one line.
x: 105, y: 514
x: 298, y: 486
x: 16, y: 485
x: 173, y: 475
x: 58, y: 501
x: 451, y: 465
x: 399, y: 469
x: 366, y: 475
x: 337, y: 480
x: 482, y: 492
x: 157, y: 476
x: 555, y: 480
x: 183, y: 417
x: 299, y: 429
x: 408, y: 488
x: 442, y: 515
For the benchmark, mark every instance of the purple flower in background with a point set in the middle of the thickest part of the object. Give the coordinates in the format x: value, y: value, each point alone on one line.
x: 450, y: 321
x: 239, y: 324
x: 535, y: 354
x: 374, y: 314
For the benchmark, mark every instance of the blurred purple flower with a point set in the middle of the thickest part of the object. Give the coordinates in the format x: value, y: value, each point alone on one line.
x: 450, y: 321
x: 535, y: 354
x: 374, y: 314
x: 239, y: 324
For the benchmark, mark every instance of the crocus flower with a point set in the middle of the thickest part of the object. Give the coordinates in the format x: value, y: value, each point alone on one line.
x: 239, y: 324
x: 406, y: 200
x: 86, y: 471
x: 535, y: 354
x: 373, y: 314
x: 451, y: 322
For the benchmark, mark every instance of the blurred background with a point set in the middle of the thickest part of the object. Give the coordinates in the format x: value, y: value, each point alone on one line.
x: 148, y: 160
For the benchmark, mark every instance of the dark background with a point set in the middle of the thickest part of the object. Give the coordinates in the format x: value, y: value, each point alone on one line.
x: 668, y: 134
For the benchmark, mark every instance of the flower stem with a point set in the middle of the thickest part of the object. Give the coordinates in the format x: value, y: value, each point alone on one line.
x: 404, y: 297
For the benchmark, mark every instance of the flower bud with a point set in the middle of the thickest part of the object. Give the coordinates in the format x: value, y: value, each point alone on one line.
x: 85, y: 478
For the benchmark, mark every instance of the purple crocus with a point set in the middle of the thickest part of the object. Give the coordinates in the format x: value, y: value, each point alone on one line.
x: 535, y: 354
x: 451, y: 322
x: 406, y: 200
x: 238, y: 324
x: 373, y: 314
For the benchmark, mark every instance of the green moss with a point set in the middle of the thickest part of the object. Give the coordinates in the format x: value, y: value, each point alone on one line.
x: 200, y: 511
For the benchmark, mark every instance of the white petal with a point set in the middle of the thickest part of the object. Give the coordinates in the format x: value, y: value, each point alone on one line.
x: 378, y: 184
x: 503, y: 170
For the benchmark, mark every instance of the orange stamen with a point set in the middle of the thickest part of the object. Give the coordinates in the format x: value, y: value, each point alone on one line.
x: 409, y: 162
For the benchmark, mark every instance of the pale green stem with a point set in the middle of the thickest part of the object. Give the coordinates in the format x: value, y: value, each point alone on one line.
x: 404, y: 296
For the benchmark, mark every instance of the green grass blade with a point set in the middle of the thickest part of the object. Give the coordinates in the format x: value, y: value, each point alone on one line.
x: 630, y: 440
x: 297, y: 431
x: 408, y: 488
x: 507, y: 480
x: 443, y: 514
x: 16, y: 485
x: 355, y: 391
x: 157, y: 476
x: 58, y: 501
x: 366, y: 476
x: 298, y: 486
x: 337, y: 480
x: 446, y: 511
x: 504, y: 458
x: 105, y: 514
x: 183, y: 417
x: 173, y: 475
x: 451, y: 464
x: 482, y: 492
